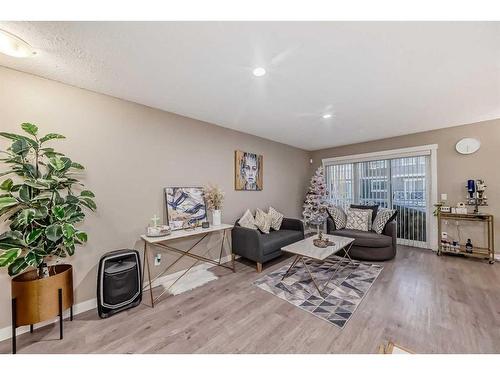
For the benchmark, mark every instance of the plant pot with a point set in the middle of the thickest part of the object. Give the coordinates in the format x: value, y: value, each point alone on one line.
x: 216, y: 217
x: 35, y: 300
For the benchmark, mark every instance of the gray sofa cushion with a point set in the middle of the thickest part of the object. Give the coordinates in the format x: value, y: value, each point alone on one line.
x: 365, y: 239
x: 277, y: 239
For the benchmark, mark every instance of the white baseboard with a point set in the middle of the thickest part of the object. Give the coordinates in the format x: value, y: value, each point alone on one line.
x: 79, y: 308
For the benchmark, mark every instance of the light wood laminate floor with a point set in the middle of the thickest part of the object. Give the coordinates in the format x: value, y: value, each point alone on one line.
x: 423, y: 302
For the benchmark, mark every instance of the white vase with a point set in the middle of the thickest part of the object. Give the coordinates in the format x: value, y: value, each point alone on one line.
x: 216, y: 217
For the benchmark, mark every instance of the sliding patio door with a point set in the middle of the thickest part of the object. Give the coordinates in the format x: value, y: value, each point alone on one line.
x: 397, y: 183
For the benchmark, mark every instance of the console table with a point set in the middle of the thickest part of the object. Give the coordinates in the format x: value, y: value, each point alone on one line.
x: 477, y: 252
x: 162, y: 243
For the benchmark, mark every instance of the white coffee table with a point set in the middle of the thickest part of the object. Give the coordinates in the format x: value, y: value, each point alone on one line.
x: 305, y: 250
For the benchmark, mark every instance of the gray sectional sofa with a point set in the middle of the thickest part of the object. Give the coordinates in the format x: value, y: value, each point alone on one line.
x: 260, y: 247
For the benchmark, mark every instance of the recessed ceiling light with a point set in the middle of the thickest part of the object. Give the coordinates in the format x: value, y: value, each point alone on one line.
x: 259, y: 72
x: 327, y: 115
x: 14, y: 46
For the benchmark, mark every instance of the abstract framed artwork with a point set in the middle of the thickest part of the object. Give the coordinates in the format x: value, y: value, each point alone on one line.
x: 248, y: 171
x: 185, y: 205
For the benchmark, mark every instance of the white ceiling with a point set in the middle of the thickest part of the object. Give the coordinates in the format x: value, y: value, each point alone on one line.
x: 380, y: 79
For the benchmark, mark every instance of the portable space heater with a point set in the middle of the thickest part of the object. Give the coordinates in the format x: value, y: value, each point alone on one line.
x: 119, y: 285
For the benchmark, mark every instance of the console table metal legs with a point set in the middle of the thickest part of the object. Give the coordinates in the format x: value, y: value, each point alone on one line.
x: 183, y: 253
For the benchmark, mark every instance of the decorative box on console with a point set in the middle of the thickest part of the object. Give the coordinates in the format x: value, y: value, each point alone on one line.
x: 158, y: 231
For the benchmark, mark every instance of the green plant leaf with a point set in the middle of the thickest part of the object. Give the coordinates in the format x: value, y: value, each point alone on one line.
x: 77, y: 166
x: 17, y: 266
x: 54, y: 232
x: 56, y: 163
x: 41, y: 196
x: 16, y: 137
x: 28, y: 170
x: 20, y: 147
x: 71, y: 199
x: 39, y: 184
x: 24, y: 193
x: 70, y: 247
x: 76, y: 217
x: 89, y: 203
x: 58, y: 212
x: 29, y: 128
x: 68, y: 230
x: 33, y: 259
x: 41, y: 212
x: 9, y: 256
x: 33, y: 235
x: 50, y: 136
x: 7, y: 185
x: 67, y: 163
x: 87, y: 193
x: 81, y: 236
x: 49, y: 152
x: 26, y: 216
x: 7, y: 202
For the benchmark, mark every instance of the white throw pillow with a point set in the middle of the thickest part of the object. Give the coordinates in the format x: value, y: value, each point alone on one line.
x: 383, y: 216
x: 247, y: 220
x: 276, y: 218
x: 358, y: 219
x: 370, y: 213
x: 262, y: 221
x: 338, y: 215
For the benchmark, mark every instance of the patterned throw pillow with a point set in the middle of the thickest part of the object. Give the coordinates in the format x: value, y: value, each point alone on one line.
x: 338, y: 215
x: 276, y: 218
x: 358, y: 219
x: 247, y: 220
x: 383, y: 217
x: 373, y: 207
x: 262, y: 221
x: 370, y: 213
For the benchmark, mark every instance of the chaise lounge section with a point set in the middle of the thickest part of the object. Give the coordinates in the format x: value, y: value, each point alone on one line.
x: 260, y: 247
x: 369, y: 246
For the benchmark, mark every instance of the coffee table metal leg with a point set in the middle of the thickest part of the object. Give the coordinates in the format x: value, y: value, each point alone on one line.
x: 297, y: 258
x: 339, y: 266
x: 312, y: 277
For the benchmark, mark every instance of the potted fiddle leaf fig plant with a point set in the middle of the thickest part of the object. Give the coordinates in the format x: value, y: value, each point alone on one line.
x: 42, y: 200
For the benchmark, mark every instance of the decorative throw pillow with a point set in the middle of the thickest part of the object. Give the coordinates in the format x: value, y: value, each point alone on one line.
x: 373, y: 207
x: 338, y: 215
x: 247, y: 220
x: 276, y: 218
x: 370, y: 213
x: 358, y: 219
x: 383, y: 217
x: 262, y: 221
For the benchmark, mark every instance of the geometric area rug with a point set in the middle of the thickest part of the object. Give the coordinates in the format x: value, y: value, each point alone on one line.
x: 340, y: 298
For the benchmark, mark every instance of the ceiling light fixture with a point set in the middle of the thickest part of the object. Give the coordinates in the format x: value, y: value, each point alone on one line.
x: 327, y: 116
x: 14, y: 46
x: 259, y: 72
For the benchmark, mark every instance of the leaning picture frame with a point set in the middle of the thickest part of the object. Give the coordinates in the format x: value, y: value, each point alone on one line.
x: 185, y: 206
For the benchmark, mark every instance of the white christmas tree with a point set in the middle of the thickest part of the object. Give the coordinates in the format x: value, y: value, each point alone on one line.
x: 316, y: 200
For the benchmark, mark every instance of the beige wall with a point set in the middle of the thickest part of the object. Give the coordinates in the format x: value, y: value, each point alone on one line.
x: 453, y: 169
x: 131, y: 152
